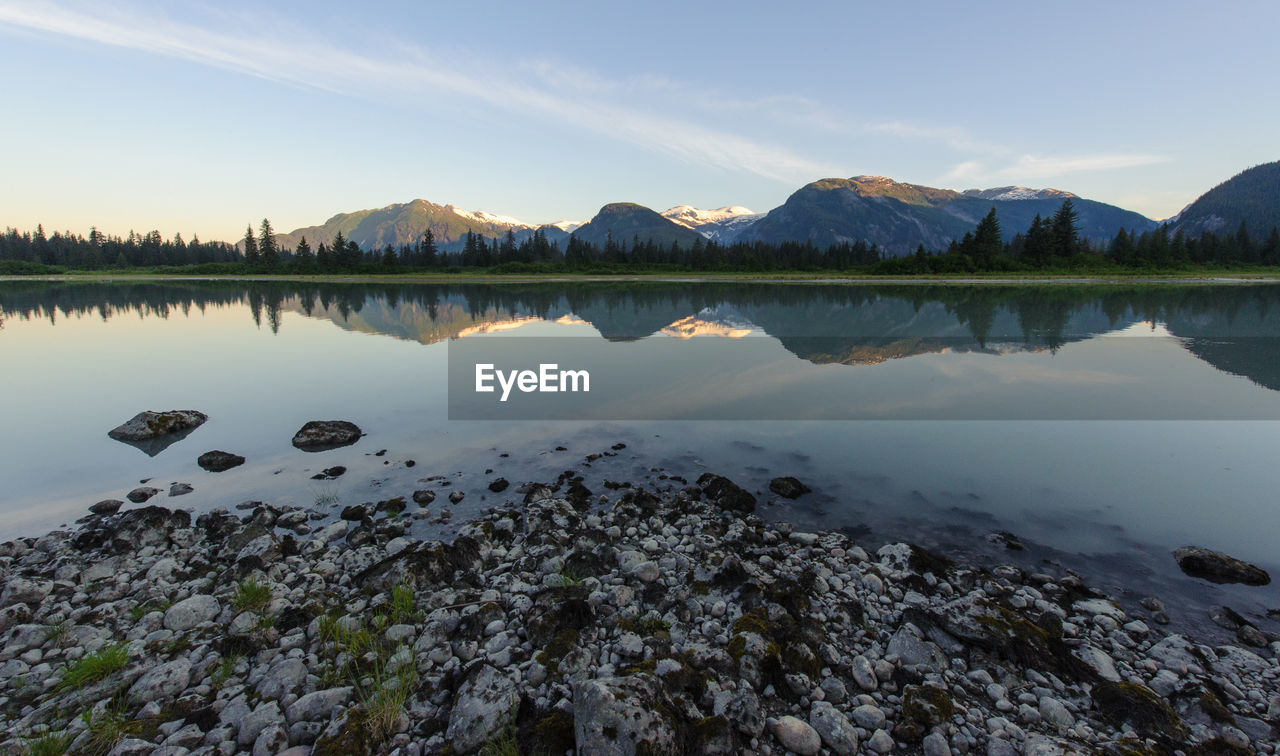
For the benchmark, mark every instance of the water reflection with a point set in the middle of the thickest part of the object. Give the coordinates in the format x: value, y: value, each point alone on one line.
x: 1231, y: 327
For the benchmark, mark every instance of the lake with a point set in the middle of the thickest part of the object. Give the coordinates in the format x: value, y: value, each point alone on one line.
x: 1102, y: 425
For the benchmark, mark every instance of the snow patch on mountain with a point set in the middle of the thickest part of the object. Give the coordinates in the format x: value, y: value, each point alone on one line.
x: 693, y: 217
x: 1017, y: 193
x: 568, y: 226
x: 481, y: 216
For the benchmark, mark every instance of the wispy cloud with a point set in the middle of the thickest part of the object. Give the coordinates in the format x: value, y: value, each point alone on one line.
x: 1034, y: 167
x: 572, y: 97
x: 991, y: 162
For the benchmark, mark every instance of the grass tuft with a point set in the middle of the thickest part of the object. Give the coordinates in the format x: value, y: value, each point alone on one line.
x: 108, y: 728
x: 325, y: 496
x: 49, y: 744
x: 504, y: 744
x: 93, y: 667
x: 382, y: 701
x: 250, y: 595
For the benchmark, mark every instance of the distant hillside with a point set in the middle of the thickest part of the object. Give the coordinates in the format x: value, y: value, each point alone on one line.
x: 899, y: 217
x: 1252, y: 196
x: 405, y: 223
x: 625, y: 221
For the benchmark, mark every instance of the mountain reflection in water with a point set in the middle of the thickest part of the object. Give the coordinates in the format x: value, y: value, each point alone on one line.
x: 1231, y: 327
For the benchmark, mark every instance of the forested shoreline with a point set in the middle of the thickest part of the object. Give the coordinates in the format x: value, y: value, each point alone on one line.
x: 1049, y: 245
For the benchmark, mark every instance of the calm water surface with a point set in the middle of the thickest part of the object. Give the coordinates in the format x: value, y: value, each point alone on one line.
x: 897, y: 405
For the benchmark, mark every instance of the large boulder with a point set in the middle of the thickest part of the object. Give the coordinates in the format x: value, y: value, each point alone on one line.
x: 219, y: 461
x: 788, y: 487
x: 726, y: 494
x: 1219, y: 568
x: 623, y: 715
x: 486, y: 703
x: 319, y: 435
x: 153, y: 432
x: 190, y: 612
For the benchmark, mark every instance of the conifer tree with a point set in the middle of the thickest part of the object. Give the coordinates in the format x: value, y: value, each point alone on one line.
x: 987, y: 239
x: 251, y: 255
x: 268, y: 249
x: 1066, y: 231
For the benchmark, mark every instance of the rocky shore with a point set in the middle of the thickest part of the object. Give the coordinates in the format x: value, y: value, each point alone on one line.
x: 639, y: 621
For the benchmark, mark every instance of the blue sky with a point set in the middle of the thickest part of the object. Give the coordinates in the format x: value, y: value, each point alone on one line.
x: 203, y: 117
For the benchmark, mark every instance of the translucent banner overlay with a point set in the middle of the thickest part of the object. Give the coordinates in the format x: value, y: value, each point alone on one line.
x: 760, y: 377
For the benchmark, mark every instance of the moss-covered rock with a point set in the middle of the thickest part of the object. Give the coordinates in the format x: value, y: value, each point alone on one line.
x: 923, y: 708
x: 1140, y: 707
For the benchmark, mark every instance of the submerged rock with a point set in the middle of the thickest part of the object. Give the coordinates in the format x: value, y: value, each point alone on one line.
x: 153, y: 432
x: 219, y: 461
x: 106, y: 507
x: 726, y: 494
x: 1219, y: 568
x: 148, y: 425
x: 319, y: 435
x: 329, y: 473
x: 141, y: 494
x: 789, y: 487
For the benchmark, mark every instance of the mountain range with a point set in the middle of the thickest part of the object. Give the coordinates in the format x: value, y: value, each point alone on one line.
x: 896, y: 216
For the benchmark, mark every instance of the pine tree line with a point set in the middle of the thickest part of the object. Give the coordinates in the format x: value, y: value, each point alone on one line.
x: 1048, y: 244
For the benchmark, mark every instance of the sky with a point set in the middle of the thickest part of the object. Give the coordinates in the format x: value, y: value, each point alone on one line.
x: 204, y: 117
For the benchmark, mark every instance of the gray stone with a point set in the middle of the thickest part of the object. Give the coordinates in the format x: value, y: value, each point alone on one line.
x: 796, y: 735
x: 833, y: 690
x: 1055, y: 714
x: 1099, y: 661
x: 318, y: 435
x: 273, y: 739
x: 141, y: 494
x: 880, y: 742
x: 162, y: 682
x: 191, y: 611
x: 180, y: 489
x: 834, y: 728
x: 282, y: 678
x: 486, y: 703
x: 1219, y: 568
x: 219, y: 461
x: 132, y: 747
x: 935, y: 744
x: 28, y: 636
x: 106, y: 507
x: 266, y: 714
x: 863, y: 674
x: 909, y: 644
x: 868, y: 717
x: 149, y: 425
x: 647, y: 571
x: 317, y: 706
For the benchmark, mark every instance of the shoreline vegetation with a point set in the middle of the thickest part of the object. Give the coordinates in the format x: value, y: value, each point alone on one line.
x: 657, y: 618
x: 1051, y: 247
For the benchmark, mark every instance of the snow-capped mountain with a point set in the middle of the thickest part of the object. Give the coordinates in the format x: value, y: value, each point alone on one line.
x: 692, y: 217
x: 723, y: 224
x: 567, y: 226
x: 1017, y: 193
x: 481, y: 216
